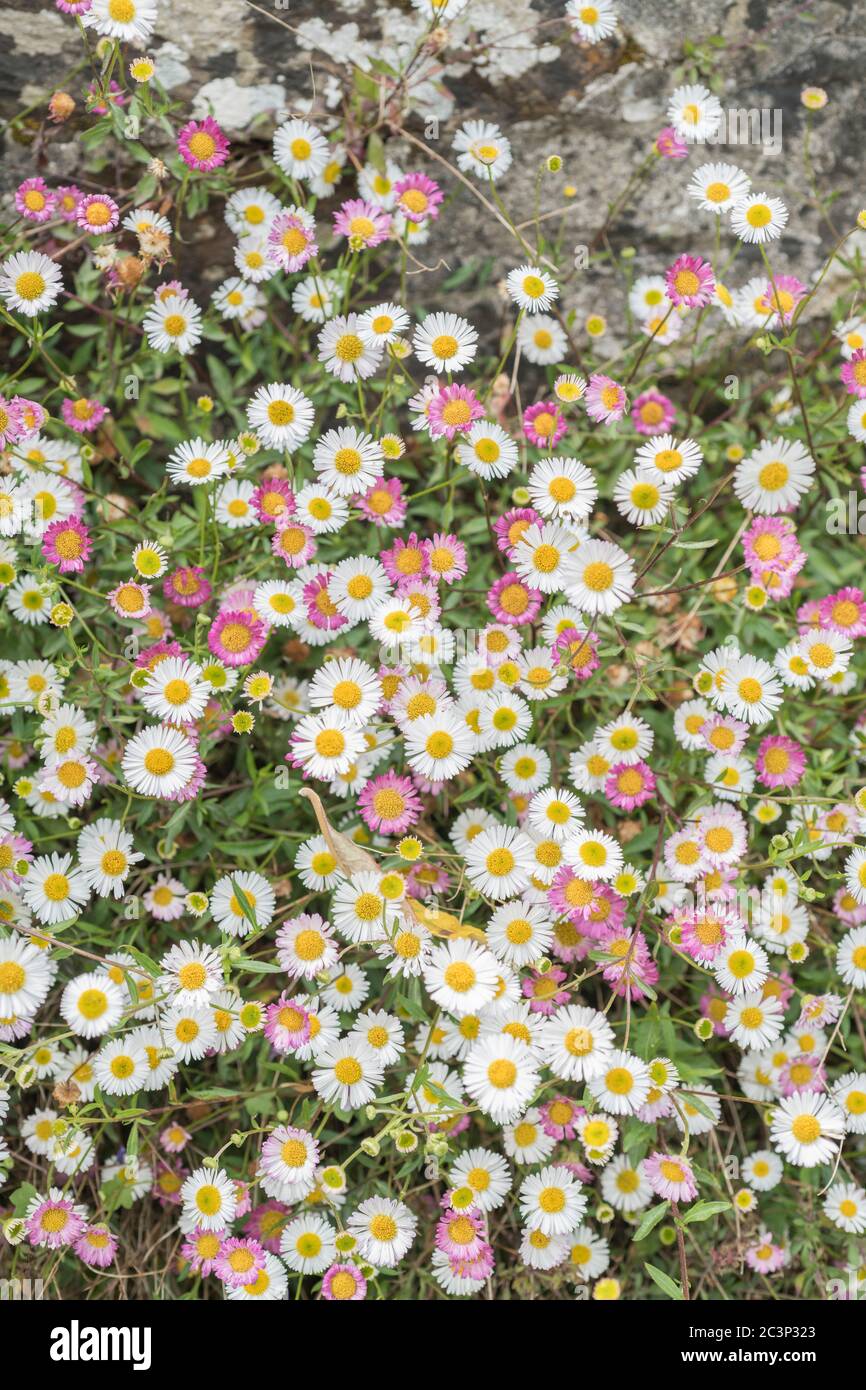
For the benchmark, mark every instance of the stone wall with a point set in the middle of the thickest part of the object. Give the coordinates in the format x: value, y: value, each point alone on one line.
x: 513, y: 61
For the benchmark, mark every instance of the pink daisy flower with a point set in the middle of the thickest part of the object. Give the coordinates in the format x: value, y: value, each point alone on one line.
x: 96, y: 1246
x: 780, y: 761
x: 634, y: 969
x: 344, y: 1283
x: 167, y: 1184
x: 578, y: 651
x: 714, y: 1006
x: 704, y: 930
x: 83, y: 414
x: 11, y: 422
x: 293, y: 542
x: 510, y: 528
x: 187, y: 587
x: 405, y: 558
x: 201, y: 1250
x: 461, y: 1234
x: 690, y: 281
x: 131, y: 599
x: 32, y: 413
x: 240, y: 1261
x: 383, y: 502
x: 669, y: 145
x: 273, y: 499
x: 67, y: 545
x: 427, y: 881
x: 34, y: 200
x: 606, y: 401
x: 151, y: 656
x: 363, y: 224
x: 853, y: 374
x: 670, y: 1177
x: 266, y: 1223
x: 771, y: 545
x: 543, y: 990
x: 418, y: 197
x: 287, y: 1025
x: 237, y: 637
x: 444, y: 558
x: 630, y: 785
x: 97, y: 213
x: 845, y: 612
x: 809, y: 614
x: 764, y: 1257
x: 54, y: 1220
x: 73, y: 6
x: 820, y: 1010
x: 514, y: 602
x: 544, y: 424
x: 653, y: 413
x: 174, y: 1139
x: 851, y: 913
x: 802, y: 1075
x: 202, y: 145
x: 66, y: 200
x: 390, y: 804
x: 782, y: 296
x: 423, y: 595
x: 321, y: 609
x: 115, y: 95
x: 453, y: 411
x: 722, y: 733
x: 292, y: 239
x: 560, y: 1117
x: 570, y: 896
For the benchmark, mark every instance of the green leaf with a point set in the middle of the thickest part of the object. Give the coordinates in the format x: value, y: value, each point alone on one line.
x: 245, y: 905
x: 665, y: 1282
x: 651, y: 1220
x: 702, y: 1211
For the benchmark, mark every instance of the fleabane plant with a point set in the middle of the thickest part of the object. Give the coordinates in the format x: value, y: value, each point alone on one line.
x: 433, y: 853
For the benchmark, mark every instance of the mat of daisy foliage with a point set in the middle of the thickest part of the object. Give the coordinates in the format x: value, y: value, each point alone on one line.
x: 433, y: 835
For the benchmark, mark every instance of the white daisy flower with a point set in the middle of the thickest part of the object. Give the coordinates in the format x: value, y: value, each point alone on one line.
x: 488, y: 451
x: 622, y: 1085
x: 345, y: 353
x: 501, y: 1077
x: 762, y: 1170
x: 674, y: 460
x: 384, y: 1230
x: 562, y: 487
x: 347, y: 1074
x: 604, y: 578
x: 281, y: 416
x: 742, y: 967
x: 445, y: 342
x: 227, y: 909
x: 209, y: 1200
x: 92, y: 1004
x: 531, y: 288
x: 643, y: 496
x: 173, y: 323
x: 758, y: 218
x: 716, y: 187
x: 807, y: 1128
x: 30, y: 282
x: 578, y: 1043
x: 694, y: 113
x: 552, y: 1201
x: 482, y: 150
x: 774, y: 477
x: 301, y: 150
x: 542, y: 341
